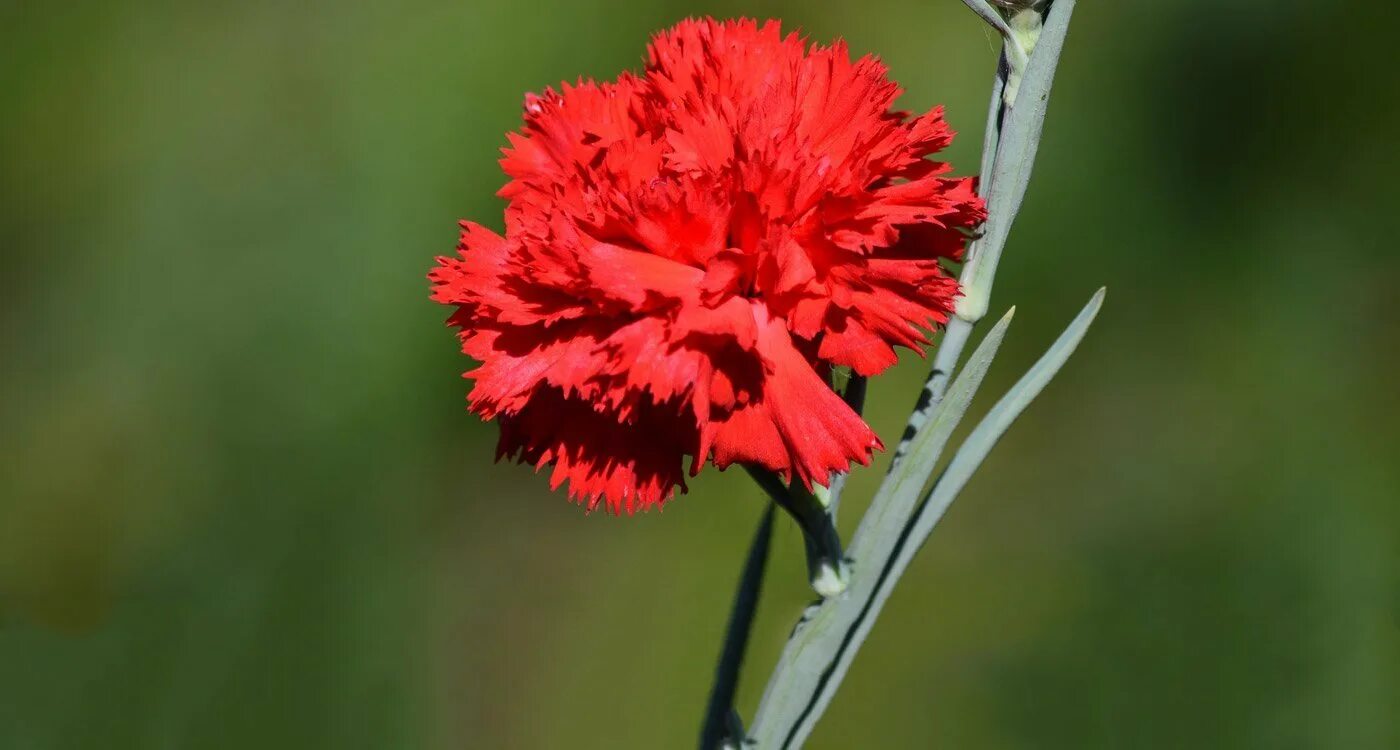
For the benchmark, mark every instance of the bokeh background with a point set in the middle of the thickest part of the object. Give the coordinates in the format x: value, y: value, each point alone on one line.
x: 241, y: 504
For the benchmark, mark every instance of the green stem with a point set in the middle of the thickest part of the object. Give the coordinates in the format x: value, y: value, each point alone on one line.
x: 826, y: 565
x: 722, y: 727
x: 854, y: 396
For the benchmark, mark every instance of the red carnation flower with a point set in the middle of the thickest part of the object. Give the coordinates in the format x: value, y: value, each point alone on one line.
x: 688, y: 253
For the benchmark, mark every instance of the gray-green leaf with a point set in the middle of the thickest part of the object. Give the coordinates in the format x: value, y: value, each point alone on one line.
x: 797, y: 692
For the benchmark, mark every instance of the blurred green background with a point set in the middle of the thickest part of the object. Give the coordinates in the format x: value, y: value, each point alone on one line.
x: 241, y: 503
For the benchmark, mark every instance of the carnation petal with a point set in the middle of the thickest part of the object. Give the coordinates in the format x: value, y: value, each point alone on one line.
x: 689, y: 251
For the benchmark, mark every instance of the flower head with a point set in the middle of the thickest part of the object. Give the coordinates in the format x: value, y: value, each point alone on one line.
x: 689, y: 251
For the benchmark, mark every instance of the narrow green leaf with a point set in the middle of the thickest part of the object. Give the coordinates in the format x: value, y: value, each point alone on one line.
x: 978, y: 444
x: 991, y: 15
x: 893, y: 503
x: 790, y: 703
x: 969, y: 456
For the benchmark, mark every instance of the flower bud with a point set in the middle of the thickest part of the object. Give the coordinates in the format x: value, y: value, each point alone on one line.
x: 1026, y: 18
